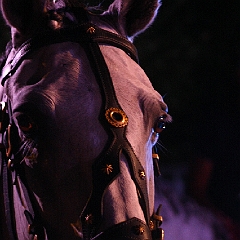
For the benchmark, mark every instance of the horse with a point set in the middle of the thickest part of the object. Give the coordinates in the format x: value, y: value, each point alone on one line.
x: 83, y: 122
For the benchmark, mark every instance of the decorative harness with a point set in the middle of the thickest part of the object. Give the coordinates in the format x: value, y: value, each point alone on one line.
x: 106, y: 168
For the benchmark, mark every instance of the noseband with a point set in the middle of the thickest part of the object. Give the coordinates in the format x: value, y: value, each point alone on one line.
x: 106, y: 168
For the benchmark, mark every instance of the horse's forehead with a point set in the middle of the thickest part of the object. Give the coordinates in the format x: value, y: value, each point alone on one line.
x: 51, y: 75
x: 51, y: 58
x: 65, y: 66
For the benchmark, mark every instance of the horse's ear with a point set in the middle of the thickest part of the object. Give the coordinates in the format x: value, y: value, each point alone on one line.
x: 134, y: 16
x: 23, y: 15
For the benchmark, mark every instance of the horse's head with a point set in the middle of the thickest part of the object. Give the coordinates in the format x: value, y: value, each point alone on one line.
x: 58, y: 108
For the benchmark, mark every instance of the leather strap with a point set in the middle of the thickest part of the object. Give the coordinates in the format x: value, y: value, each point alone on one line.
x: 132, y: 229
x: 73, y: 34
x: 8, y: 204
x: 6, y: 177
x: 111, y: 157
x: 13, y: 177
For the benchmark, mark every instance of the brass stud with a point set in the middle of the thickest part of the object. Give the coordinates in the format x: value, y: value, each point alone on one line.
x: 10, y: 165
x: 141, y: 174
x: 151, y: 225
x: 139, y: 230
x: 91, y: 30
x: 107, y: 169
x: 89, y: 219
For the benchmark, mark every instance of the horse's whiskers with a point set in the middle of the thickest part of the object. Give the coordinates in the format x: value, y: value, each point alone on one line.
x: 29, y: 152
x: 161, y: 147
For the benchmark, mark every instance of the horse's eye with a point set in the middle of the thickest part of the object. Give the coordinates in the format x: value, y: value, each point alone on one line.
x: 26, y: 127
x: 25, y: 123
x: 160, y: 124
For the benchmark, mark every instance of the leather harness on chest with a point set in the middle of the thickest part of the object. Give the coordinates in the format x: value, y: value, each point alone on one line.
x: 106, y: 168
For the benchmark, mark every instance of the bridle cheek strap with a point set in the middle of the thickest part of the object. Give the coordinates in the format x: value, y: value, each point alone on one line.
x: 117, y: 123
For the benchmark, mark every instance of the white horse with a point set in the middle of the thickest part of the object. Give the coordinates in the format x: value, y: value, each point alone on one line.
x: 84, y: 168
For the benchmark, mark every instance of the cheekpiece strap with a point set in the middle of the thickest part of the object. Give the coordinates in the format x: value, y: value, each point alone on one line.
x: 106, y: 168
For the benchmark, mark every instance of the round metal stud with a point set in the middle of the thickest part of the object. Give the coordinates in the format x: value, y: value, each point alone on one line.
x: 151, y: 225
x: 91, y: 30
x: 141, y: 174
x: 89, y: 219
x: 116, y: 117
x: 107, y: 169
x: 138, y: 230
x: 10, y: 165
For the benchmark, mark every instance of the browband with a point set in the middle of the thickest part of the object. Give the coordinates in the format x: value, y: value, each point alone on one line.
x: 73, y: 34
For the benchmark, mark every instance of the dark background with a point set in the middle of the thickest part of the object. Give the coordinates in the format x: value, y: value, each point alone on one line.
x: 192, y: 55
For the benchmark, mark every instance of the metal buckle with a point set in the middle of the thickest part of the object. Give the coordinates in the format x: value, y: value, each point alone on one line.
x: 116, y: 117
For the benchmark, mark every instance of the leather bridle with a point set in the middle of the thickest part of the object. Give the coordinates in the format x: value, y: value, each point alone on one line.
x: 89, y: 36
